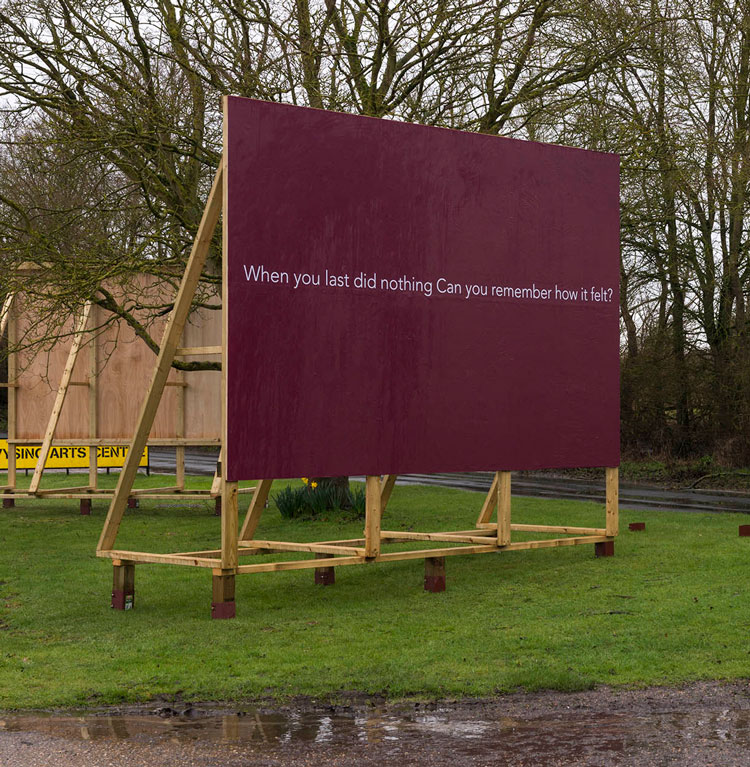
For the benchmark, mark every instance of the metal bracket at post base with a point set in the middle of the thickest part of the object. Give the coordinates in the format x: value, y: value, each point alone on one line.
x: 123, y: 600
x: 223, y: 610
x: 604, y: 549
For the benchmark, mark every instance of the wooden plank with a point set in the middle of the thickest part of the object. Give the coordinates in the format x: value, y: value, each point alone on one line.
x: 490, y: 503
x: 5, y: 313
x: 216, y: 483
x: 301, y: 564
x: 315, y: 548
x: 563, y: 529
x: 62, y: 392
x: 555, y: 542
x: 387, y: 485
x: 190, y: 351
x: 503, y: 508
x: 65, y: 494
x: 453, y: 551
x: 229, y: 523
x: 242, y: 551
x: 93, y: 400
x: 148, y: 490
x: 11, y: 327
x: 255, y: 509
x: 171, y: 338
x: 373, y: 512
x: 162, y: 442
x: 484, y: 533
x: 159, y: 559
x: 613, y: 492
x: 180, y: 432
x: 49, y: 491
x: 397, y: 535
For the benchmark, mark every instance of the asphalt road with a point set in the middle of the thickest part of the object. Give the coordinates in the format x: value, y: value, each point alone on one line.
x: 632, y: 496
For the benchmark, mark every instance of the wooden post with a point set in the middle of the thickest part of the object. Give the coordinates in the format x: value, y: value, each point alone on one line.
x: 255, y: 509
x: 62, y: 392
x: 388, y: 483
x: 324, y: 576
x: 503, y: 508
x: 612, y: 525
x: 86, y: 506
x: 93, y: 404
x: 180, y: 449
x: 216, y: 484
x: 434, y: 574
x: 10, y: 324
x: 123, y: 584
x: 229, y: 523
x: 5, y: 313
x: 169, y: 344
x: 490, y: 502
x: 373, y: 513
x: 223, y: 604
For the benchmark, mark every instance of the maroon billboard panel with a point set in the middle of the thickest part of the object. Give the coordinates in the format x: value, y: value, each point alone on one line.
x: 404, y: 298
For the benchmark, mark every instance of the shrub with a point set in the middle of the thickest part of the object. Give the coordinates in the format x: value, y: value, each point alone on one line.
x: 314, y: 500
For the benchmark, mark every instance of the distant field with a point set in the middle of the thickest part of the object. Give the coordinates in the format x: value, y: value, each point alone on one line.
x: 673, y: 605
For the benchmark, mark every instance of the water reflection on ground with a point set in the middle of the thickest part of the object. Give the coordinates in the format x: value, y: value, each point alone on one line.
x: 533, y: 741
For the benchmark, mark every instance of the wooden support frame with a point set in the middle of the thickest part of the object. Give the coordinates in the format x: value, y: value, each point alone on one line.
x: 239, y: 541
x: 84, y: 335
x: 7, y: 325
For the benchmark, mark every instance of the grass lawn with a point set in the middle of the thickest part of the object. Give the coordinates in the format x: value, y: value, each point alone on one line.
x: 672, y: 605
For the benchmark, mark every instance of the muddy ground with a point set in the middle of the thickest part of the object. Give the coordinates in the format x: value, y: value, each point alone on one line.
x: 701, y: 724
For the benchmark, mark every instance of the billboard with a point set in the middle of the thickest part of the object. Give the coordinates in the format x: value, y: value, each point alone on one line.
x: 68, y: 457
x: 403, y: 298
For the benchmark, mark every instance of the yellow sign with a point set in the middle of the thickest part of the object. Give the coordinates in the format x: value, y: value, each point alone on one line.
x: 68, y: 457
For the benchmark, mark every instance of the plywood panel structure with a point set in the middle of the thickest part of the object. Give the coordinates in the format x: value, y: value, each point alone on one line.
x: 87, y: 386
x: 124, y: 370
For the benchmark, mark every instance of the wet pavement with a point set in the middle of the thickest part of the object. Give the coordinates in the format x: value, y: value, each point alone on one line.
x: 632, y: 496
x: 702, y: 724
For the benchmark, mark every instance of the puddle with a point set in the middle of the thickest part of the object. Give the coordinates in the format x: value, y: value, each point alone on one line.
x: 563, y: 737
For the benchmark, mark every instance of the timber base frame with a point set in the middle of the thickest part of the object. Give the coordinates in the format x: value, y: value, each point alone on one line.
x: 487, y: 537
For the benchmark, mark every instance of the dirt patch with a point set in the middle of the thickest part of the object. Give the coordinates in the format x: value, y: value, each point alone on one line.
x: 700, y: 724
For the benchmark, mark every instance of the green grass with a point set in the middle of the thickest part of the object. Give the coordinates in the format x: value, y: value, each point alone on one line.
x: 673, y: 605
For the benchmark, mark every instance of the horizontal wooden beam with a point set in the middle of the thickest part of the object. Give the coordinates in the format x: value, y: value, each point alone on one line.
x: 268, y: 567
x: 72, y: 495
x: 49, y: 491
x: 301, y: 564
x: 315, y: 548
x: 555, y: 542
x: 564, y: 529
x: 397, y: 535
x: 163, y: 441
x: 159, y: 559
x: 394, y: 556
x: 189, y: 351
x: 173, y: 489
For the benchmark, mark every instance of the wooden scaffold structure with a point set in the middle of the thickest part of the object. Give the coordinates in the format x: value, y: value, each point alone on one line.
x: 51, y: 418
x: 492, y: 534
